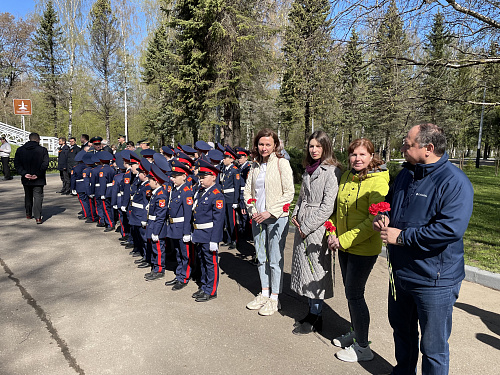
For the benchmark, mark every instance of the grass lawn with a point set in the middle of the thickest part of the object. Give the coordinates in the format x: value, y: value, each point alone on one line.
x: 482, y: 239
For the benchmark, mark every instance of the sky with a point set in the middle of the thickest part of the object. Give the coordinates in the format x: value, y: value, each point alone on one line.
x: 18, y: 8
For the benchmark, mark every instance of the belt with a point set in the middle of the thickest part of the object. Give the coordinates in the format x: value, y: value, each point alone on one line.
x: 110, y: 184
x: 152, y: 217
x: 97, y: 185
x: 80, y: 180
x: 228, y: 190
x: 176, y: 220
x: 242, y: 188
x: 137, y: 205
x: 203, y: 226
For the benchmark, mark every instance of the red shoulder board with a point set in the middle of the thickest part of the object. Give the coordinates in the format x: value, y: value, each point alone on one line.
x: 189, y: 178
x: 186, y: 188
x: 216, y: 191
x: 160, y: 192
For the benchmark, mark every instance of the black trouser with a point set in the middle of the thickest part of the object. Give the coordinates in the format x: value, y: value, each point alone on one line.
x: 6, y: 169
x: 65, y: 178
x: 33, y: 198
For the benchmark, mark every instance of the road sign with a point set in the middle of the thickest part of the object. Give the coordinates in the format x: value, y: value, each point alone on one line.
x: 22, y: 107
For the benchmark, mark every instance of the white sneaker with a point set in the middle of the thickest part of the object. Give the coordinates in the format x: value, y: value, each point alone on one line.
x: 355, y: 353
x: 269, y: 308
x: 257, y: 302
x: 345, y: 340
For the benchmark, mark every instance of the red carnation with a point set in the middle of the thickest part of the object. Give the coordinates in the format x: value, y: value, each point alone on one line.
x: 329, y: 226
x: 251, y: 201
x: 375, y: 208
x: 286, y: 207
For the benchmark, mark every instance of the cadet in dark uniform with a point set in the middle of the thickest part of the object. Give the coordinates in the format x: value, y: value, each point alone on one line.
x: 230, y: 182
x: 62, y: 166
x: 77, y: 184
x: 156, y: 229
x: 244, y: 228
x: 103, y: 192
x: 130, y: 159
x: 94, y: 184
x: 208, y: 224
x: 180, y: 210
x: 116, y: 194
x: 89, y: 205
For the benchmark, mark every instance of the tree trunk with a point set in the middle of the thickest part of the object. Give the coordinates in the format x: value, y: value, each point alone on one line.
x: 388, y: 143
x: 307, y: 121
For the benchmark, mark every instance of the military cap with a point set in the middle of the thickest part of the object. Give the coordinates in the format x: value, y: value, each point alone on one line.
x: 134, y: 158
x: 145, y: 166
x: 179, y: 168
x: 121, y: 136
x: 88, y: 158
x: 181, y: 156
x: 215, y: 156
x: 229, y: 152
x: 145, y: 140
x: 96, y: 140
x: 157, y: 174
x: 148, y: 153
x: 162, y: 163
x: 204, y: 168
x: 219, y: 147
x: 79, y: 156
x: 105, y: 156
x: 187, y: 149
x: 119, y: 160
x: 167, y: 150
x: 240, y: 151
x: 202, y: 146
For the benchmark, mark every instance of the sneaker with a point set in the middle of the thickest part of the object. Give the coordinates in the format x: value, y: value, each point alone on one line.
x: 355, y: 353
x: 269, y: 308
x: 344, y: 341
x: 257, y: 302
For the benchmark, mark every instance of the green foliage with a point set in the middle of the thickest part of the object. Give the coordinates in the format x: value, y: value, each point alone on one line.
x: 297, y: 163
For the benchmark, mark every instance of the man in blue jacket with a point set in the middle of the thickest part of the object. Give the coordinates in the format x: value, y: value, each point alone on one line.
x: 431, y: 204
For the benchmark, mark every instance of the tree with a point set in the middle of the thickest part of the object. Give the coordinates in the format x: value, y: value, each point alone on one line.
x: 104, y: 44
x: 307, y: 43
x: 48, y: 59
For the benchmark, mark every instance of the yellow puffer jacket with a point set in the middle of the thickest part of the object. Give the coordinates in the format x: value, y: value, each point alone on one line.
x: 353, y: 221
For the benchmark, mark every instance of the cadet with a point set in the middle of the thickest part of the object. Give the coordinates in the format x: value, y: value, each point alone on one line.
x: 94, y: 184
x: 129, y: 158
x: 88, y: 160
x: 78, y: 186
x: 245, y: 229
x: 104, y: 190
x: 208, y: 223
x: 156, y: 229
x: 116, y: 194
x: 180, y: 209
x: 230, y: 184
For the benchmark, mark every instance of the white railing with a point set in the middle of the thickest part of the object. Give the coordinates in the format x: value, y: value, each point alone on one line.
x: 19, y: 137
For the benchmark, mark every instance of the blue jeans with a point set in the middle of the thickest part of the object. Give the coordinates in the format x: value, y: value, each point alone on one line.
x: 315, y: 306
x: 431, y: 308
x: 355, y: 271
x: 269, y: 239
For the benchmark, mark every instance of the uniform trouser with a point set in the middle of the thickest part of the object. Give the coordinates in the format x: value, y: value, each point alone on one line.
x: 158, y: 254
x: 66, y: 180
x: 124, y: 225
x: 184, y: 255
x: 5, y: 166
x: 33, y: 199
x: 108, y: 217
x: 431, y: 308
x: 230, y: 223
x: 138, y: 233
x: 99, y: 210
x: 209, y: 268
x: 84, y: 202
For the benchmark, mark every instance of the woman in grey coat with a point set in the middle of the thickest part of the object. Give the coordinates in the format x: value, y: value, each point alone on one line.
x: 312, y: 271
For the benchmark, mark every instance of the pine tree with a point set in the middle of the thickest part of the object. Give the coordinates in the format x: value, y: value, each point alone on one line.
x: 104, y: 44
x: 307, y: 43
x: 48, y: 61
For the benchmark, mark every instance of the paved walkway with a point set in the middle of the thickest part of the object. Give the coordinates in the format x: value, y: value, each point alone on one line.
x: 71, y: 301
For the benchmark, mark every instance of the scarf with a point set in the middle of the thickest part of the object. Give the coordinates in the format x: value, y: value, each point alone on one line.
x: 312, y: 167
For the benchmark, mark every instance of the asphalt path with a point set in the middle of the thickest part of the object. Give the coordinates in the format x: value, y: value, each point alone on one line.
x: 72, y: 301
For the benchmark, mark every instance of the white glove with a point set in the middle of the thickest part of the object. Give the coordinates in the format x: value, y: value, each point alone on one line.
x: 143, y: 224
x: 186, y: 238
x: 214, y: 246
x: 91, y: 195
x: 155, y: 238
x: 115, y: 207
x: 123, y: 208
x: 73, y: 192
x: 103, y: 197
x: 235, y: 206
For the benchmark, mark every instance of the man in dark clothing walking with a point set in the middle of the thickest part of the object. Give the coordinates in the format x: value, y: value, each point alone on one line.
x: 31, y: 162
x: 62, y: 165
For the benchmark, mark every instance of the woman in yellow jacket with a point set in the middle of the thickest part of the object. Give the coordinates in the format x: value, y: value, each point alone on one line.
x: 367, y: 182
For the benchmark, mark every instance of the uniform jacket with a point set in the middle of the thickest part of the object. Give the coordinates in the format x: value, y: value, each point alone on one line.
x: 125, y: 186
x: 87, y: 176
x: 94, y: 181
x: 157, y: 214
x: 230, y: 182
x: 137, y: 212
x: 77, y: 181
x: 353, y: 220
x: 209, y: 209
x: 62, y: 157
x: 31, y: 158
x: 314, y: 207
x: 180, y: 206
x: 106, y: 174
x: 432, y: 205
x: 279, y: 185
x: 71, y: 155
x: 116, y: 194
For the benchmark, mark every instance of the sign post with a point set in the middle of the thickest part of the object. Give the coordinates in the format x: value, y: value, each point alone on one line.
x: 22, y: 107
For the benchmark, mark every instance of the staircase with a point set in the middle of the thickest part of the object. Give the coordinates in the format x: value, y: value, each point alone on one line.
x: 19, y: 137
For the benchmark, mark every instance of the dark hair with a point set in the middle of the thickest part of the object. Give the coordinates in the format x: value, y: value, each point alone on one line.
x: 2, y: 138
x: 327, y: 157
x: 130, y: 143
x: 375, y: 163
x: 266, y: 133
x: 34, y: 137
x: 85, y: 136
x: 62, y: 139
x: 431, y: 134
x: 72, y: 138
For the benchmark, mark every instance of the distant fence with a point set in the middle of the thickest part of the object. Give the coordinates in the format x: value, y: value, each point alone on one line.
x: 52, y: 165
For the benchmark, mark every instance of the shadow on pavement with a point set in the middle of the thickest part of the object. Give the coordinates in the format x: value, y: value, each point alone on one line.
x: 490, y: 319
